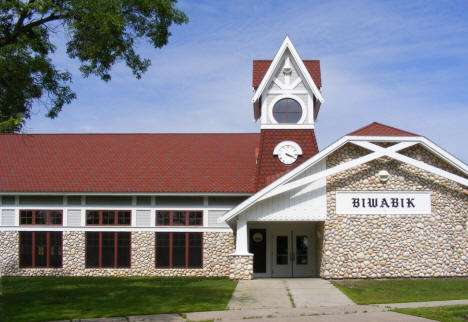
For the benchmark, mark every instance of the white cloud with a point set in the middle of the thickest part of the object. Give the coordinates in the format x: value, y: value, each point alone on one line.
x: 402, y: 63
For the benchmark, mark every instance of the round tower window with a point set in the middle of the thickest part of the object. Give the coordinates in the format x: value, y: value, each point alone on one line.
x: 287, y: 110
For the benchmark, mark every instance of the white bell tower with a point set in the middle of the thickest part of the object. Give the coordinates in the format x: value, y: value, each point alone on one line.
x: 287, y: 97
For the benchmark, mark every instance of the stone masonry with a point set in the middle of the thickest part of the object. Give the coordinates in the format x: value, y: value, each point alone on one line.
x: 241, y: 267
x: 217, y: 246
x: 384, y: 246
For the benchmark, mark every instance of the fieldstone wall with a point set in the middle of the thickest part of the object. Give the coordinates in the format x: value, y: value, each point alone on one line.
x: 216, y: 261
x: 382, y: 246
x: 241, y: 267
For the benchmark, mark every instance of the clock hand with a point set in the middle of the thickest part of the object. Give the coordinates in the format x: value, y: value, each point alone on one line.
x: 289, y: 155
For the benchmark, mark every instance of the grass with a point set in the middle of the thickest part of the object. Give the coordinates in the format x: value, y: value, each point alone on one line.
x: 453, y: 313
x: 291, y: 299
x: 59, y: 298
x: 403, y: 290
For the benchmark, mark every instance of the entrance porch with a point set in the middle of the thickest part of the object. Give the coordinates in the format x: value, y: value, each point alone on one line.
x: 284, y: 249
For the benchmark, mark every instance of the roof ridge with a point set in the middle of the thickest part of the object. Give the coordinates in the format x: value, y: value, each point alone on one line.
x: 162, y: 133
x: 398, y: 132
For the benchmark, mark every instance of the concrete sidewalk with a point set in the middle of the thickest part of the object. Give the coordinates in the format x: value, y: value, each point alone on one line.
x: 305, y: 299
x: 286, y: 293
x: 350, y: 313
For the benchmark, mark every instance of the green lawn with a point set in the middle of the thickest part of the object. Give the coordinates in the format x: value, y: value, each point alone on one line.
x: 57, y: 298
x: 403, y: 290
x: 453, y: 313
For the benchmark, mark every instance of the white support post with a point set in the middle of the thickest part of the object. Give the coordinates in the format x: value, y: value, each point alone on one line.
x: 17, y: 212
x: 65, y: 211
x: 205, y: 211
x: 83, y: 210
x: 242, y: 242
x: 133, y: 211
x: 153, y: 211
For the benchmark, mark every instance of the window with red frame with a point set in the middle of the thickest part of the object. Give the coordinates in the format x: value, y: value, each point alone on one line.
x: 40, y: 249
x: 108, y: 217
x: 108, y: 249
x: 179, y: 250
x: 179, y: 218
x: 40, y: 217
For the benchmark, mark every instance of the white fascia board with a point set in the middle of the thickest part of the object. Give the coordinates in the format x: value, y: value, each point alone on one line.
x: 383, y: 138
x: 392, y: 153
x: 175, y: 194
x: 431, y: 146
x: 287, y: 126
x: 287, y: 44
x: 331, y: 148
x: 116, y: 228
x: 288, y: 176
x: 445, y: 155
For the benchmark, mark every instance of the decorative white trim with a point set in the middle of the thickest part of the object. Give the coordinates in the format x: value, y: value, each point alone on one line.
x: 426, y: 143
x: 135, y: 193
x: 17, y: 211
x: 83, y: 211
x: 116, y: 228
x: 295, y: 83
x: 279, y: 84
x: 280, y: 185
x: 413, y: 162
x: 288, y: 176
x: 205, y: 211
x: 287, y: 44
x: 236, y: 253
x: 337, y: 169
x: 133, y: 211
x: 279, y: 98
x: 65, y: 211
x: 288, y: 92
x: 287, y: 126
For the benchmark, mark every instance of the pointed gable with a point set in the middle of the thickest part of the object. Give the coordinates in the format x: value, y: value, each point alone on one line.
x: 260, y: 68
x: 286, y: 47
x: 378, y: 129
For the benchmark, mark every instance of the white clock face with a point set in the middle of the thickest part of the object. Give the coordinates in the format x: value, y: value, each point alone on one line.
x: 288, y: 154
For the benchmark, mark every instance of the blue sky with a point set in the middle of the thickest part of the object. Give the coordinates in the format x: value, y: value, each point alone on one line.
x: 402, y: 63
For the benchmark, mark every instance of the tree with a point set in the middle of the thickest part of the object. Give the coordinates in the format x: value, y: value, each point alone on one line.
x: 99, y: 34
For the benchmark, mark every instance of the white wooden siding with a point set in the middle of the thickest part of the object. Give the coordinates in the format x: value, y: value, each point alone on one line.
x: 213, y: 216
x: 8, y: 217
x: 74, y: 217
x: 308, y: 203
x: 143, y: 217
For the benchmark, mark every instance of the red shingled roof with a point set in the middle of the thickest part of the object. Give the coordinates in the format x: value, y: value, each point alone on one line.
x: 378, y: 129
x: 128, y: 162
x: 260, y: 68
x: 269, y: 167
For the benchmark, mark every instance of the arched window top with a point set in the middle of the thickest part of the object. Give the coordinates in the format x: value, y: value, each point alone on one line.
x: 287, y: 110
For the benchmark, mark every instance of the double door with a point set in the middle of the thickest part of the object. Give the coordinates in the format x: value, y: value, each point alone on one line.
x: 292, y: 254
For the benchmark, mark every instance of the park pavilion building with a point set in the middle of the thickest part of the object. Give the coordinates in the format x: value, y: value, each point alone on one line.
x: 377, y: 203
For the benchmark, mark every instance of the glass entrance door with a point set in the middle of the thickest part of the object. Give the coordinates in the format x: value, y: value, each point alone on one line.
x: 282, y: 255
x: 302, y: 248
x: 292, y: 255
